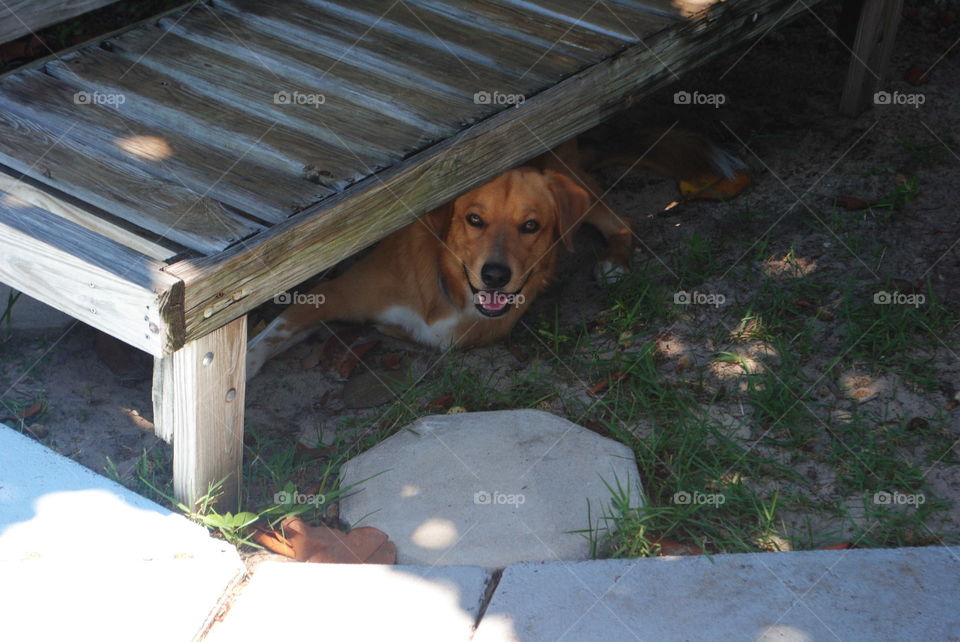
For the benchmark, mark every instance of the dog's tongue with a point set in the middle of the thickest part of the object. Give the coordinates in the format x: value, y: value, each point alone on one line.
x: 492, y: 300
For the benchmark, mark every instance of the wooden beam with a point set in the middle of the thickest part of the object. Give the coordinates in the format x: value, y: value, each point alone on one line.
x: 204, y: 404
x: 92, y: 278
x: 872, y: 48
x: 20, y: 17
x: 223, y: 287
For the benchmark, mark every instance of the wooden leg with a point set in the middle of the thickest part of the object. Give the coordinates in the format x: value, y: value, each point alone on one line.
x: 198, y: 400
x: 872, y: 47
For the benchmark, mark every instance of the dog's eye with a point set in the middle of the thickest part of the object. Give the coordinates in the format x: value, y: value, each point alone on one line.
x: 474, y: 220
x: 529, y: 227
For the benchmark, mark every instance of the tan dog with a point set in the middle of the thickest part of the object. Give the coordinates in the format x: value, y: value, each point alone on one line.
x: 464, y: 274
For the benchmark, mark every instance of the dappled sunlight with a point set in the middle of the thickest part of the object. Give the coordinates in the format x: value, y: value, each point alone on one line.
x: 789, y: 267
x: 862, y: 388
x: 742, y: 360
x: 13, y: 201
x: 436, y: 533
x: 151, y: 148
x: 409, y: 491
x: 781, y: 632
x: 689, y: 8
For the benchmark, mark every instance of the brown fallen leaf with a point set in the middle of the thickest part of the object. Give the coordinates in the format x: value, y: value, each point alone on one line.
x: 273, y: 541
x: 393, y: 361
x: 348, y: 365
x: 325, y: 545
x: 916, y: 76
x: 517, y: 352
x: 443, y: 402
x: 711, y: 187
x: 842, y: 546
x: 30, y: 411
x: 672, y: 547
x: 855, y: 203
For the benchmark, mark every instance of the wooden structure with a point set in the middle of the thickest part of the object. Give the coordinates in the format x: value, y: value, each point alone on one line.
x: 160, y: 183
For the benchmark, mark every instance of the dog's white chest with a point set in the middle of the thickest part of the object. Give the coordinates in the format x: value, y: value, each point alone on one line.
x: 439, y: 334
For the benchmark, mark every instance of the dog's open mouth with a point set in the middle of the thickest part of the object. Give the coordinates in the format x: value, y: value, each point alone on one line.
x: 494, y: 302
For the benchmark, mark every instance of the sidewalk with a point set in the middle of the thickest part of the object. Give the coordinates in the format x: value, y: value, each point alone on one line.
x: 81, y: 556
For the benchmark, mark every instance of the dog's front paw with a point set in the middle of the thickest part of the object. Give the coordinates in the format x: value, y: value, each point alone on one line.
x: 606, y: 271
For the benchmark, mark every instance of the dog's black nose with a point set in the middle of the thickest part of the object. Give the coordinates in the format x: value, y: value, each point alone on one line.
x: 495, y: 275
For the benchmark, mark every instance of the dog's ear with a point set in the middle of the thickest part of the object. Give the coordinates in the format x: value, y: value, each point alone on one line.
x: 572, y: 204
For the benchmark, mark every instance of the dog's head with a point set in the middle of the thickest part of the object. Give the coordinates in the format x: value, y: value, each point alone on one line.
x: 502, y: 237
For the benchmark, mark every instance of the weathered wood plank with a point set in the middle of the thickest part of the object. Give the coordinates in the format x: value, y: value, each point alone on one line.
x: 870, y: 59
x: 20, y: 17
x: 242, y: 80
x: 228, y: 177
x: 27, y: 192
x: 373, y: 88
x: 526, y: 66
x: 546, y: 30
x: 165, y: 102
x: 434, y: 72
x: 169, y: 210
x: 302, y: 246
x: 100, y: 282
x: 206, y: 407
x: 609, y: 17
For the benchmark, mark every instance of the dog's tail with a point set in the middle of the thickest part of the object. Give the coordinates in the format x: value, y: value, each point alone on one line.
x: 674, y: 153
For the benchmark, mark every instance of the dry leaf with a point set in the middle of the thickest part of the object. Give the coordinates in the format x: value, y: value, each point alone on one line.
x: 714, y: 188
x: 854, y: 203
x: 916, y: 76
x: 392, y: 361
x: 325, y: 545
x: 672, y: 547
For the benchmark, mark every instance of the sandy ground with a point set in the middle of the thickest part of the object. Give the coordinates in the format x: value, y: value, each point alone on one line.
x: 780, y: 115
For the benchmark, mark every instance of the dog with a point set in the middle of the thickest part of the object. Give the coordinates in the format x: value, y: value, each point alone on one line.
x: 463, y: 274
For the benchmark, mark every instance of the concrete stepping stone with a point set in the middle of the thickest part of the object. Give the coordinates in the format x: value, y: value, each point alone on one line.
x: 891, y: 594
x: 487, y: 488
x: 82, y: 557
x: 355, y: 602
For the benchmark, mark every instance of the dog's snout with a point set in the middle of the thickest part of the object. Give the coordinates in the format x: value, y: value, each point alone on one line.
x: 495, y: 275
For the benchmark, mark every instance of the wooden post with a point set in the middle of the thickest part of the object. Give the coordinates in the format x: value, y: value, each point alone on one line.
x: 872, y: 48
x: 198, y: 399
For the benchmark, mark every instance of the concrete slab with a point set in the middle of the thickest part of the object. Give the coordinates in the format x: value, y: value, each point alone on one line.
x: 82, y: 556
x: 488, y: 488
x: 356, y: 602
x: 30, y: 314
x: 897, y: 594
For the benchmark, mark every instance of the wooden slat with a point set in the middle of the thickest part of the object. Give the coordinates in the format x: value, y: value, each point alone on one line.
x: 26, y: 192
x: 20, y: 17
x: 610, y: 18
x: 372, y: 88
x: 526, y: 66
x: 231, y: 178
x: 547, y: 30
x: 291, y: 252
x: 165, y: 102
x: 243, y: 80
x: 89, y: 277
x: 169, y: 210
x: 433, y: 70
x: 208, y: 381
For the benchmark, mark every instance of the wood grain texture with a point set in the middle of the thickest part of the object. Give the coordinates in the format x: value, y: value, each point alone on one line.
x: 27, y: 192
x: 20, y: 17
x: 872, y: 48
x: 229, y: 177
x: 206, y: 407
x: 167, y: 103
x: 221, y: 288
x: 613, y: 19
x: 169, y: 210
x: 98, y: 281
